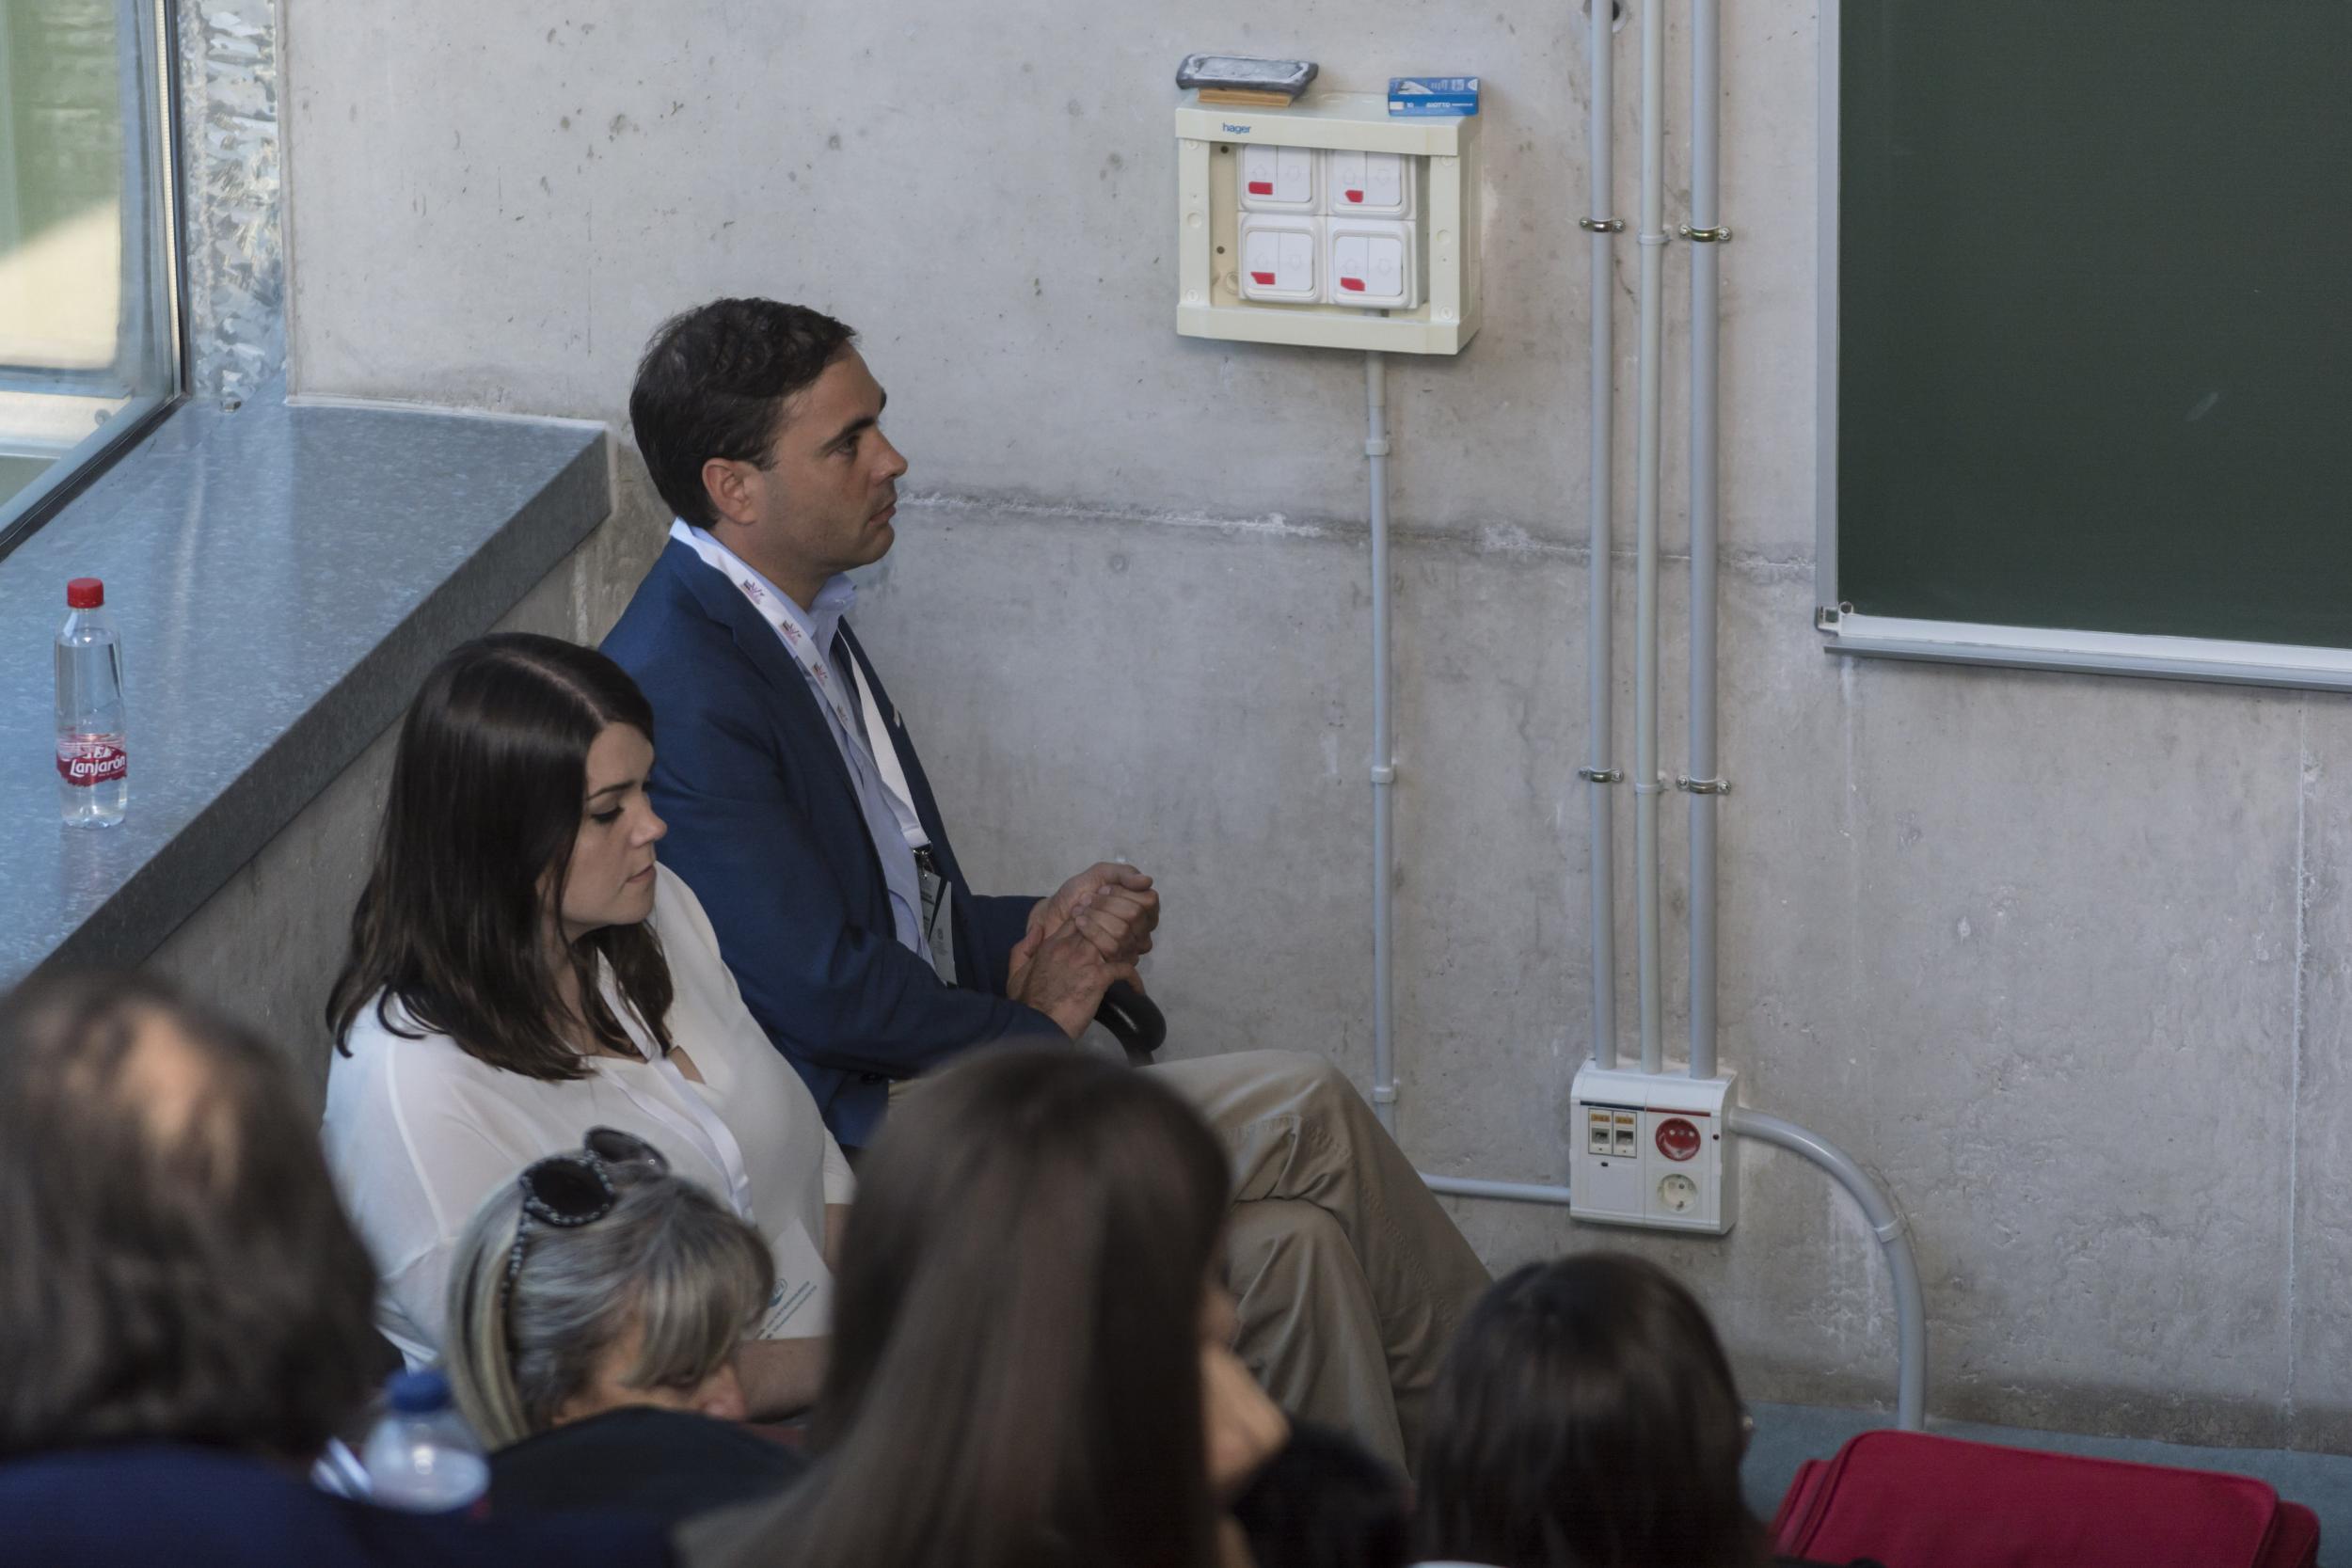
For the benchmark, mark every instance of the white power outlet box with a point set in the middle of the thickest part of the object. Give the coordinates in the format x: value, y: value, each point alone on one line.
x: 1369, y: 184
x: 1653, y: 1149
x: 1370, y: 263
x: 1282, y: 257
x: 1400, y: 195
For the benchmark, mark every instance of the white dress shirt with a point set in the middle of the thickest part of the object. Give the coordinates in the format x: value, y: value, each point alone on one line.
x: 417, y: 1133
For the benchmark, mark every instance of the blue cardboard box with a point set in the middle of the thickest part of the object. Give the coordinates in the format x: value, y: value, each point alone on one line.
x: 1433, y: 95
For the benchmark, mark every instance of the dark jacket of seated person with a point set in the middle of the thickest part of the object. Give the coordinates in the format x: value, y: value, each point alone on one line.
x: 185, y: 1311
x: 192, y: 1507
x: 1325, y: 1501
x: 666, y: 1464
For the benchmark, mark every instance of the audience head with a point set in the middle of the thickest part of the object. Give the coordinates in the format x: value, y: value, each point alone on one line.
x: 1586, y: 1415
x: 1019, y: 1320
x: 518, y: 841
x: 173, y: 1264
x: 598, y: 1279
x: 761, y: 421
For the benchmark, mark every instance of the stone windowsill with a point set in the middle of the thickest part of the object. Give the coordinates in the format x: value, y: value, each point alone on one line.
x: 283, y: 576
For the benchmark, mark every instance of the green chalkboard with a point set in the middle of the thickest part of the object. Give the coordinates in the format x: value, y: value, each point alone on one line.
x: 2094, y: 323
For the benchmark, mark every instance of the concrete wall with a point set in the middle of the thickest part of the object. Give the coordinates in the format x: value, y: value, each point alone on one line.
x: 2065, y: 959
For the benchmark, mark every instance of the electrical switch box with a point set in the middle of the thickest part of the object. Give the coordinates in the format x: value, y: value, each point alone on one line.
x: 1372, y: 264
x: 1369, y: 184
x: 1281, y: 179
x: 1387, y: 208
x: 1282, y: 257
x: 1654, y: 1149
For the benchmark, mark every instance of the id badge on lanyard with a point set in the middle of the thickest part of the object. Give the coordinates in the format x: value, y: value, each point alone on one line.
x: 939, y: 924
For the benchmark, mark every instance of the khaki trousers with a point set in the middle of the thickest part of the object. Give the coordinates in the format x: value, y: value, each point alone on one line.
x: 1348, y: 1279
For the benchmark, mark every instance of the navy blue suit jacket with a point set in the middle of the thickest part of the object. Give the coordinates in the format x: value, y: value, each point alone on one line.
x: 766, y: 827
x: 207, y: 1508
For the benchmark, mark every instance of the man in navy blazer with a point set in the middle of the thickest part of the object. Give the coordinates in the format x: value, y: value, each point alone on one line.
x: 802, y: 816
x: 766, y: 826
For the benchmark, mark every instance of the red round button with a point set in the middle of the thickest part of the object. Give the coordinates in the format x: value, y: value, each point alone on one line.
x: 1677, y: 1139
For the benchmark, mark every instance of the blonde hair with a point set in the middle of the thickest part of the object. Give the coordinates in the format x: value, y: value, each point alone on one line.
x: 670, y: 1260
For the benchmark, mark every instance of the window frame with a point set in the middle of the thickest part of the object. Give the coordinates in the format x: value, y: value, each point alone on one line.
x: 152, y: 58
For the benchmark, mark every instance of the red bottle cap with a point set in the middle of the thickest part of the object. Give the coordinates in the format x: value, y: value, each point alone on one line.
x: 84, y: 594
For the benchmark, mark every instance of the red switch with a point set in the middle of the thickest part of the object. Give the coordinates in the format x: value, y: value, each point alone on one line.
x: 1354, y: 285
x: 1261, y: 187
x: 1264, y: 279
x: 1356, y: 196
x: 1677, y: 1139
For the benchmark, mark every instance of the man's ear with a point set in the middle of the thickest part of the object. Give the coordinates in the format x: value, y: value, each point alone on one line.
x: 729, y: 484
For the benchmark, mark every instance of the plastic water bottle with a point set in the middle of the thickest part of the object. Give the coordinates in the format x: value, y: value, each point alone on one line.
x: 421, y: 1456
x: 92, y: 770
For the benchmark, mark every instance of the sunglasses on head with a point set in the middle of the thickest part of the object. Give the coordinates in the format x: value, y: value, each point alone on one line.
x: 567, y: 1191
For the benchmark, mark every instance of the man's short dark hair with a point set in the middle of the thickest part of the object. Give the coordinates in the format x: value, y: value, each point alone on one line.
x: 176, y: 1265
x: 713, y: 382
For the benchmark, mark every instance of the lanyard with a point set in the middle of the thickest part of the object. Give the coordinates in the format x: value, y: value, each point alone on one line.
x: 894, y: 773
x: 934, y: 920
x: 878, y: 750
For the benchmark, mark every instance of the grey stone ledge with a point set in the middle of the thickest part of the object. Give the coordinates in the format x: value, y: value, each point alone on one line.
x: 283, y: 576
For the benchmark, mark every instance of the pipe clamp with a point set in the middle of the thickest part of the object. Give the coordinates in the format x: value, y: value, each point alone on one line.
x: 1655, y: 786
x: 1383, y: 772
x: 1702, y: 786
x: 1602, y: 226
x: 1384, y: 1094
x: 1717, y: 235
x: 1376, y: 448
x: 1601, y: 775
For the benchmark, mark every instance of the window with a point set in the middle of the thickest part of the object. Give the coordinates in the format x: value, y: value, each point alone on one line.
x: 89, y: 319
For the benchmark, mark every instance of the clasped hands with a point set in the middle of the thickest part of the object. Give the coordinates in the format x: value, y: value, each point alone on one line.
x: 1079, y: 941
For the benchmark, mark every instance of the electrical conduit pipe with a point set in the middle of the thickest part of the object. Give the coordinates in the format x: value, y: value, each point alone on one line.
x: 1702, y: 782
x: 1648, y: 410
x: 1599, y: 689
x: 1910, y: 1316
x: 1383, y: 748
x: 1599, y: 776
x: 1707, y: 237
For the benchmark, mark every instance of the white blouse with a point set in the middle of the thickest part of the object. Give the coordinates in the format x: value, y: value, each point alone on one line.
x: 417, y: 1133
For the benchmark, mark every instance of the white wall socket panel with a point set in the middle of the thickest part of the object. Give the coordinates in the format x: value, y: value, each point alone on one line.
x: 1653, y: 1149
x: 1400, y: 195
x: 1371, y: 263
x: 1281, y: 179
x: 1282, y: 257
x: 1369, y: 184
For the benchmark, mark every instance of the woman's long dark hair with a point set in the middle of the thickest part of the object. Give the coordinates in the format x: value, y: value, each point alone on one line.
x: 1586, y: 1419
x: 487, y: 790
x: 1015, y: 1379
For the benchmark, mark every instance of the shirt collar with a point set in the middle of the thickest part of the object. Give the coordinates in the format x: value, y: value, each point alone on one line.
x: 821, y: 620
x: 832, y: 602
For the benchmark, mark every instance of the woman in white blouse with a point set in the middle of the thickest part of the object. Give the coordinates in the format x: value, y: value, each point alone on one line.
x: 521, y: 971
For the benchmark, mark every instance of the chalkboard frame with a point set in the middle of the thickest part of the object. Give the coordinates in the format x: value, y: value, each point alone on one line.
x: 1845, y: 632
